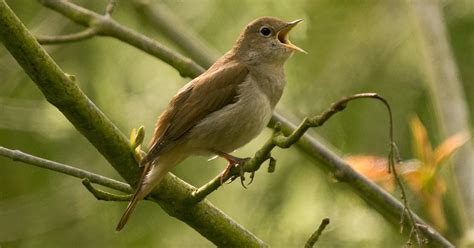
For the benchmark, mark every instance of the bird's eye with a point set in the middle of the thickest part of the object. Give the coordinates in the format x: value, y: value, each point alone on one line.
x: 265, y: 31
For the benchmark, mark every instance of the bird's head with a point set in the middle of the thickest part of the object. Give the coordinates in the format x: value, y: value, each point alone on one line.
x: 265, y: 40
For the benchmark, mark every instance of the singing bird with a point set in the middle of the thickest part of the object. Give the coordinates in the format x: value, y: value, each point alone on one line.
x: 222, y: 109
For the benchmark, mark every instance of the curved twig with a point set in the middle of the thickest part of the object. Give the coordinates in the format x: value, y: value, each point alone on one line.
x: 102, y: 195
x: 59, y: 39
x: 109, y: 9
x: 286, y: 141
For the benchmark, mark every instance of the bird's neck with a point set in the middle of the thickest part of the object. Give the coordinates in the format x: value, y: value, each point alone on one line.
x: 270, y: 79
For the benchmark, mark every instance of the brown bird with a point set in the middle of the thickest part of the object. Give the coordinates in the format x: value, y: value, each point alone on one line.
x: 222, y: 109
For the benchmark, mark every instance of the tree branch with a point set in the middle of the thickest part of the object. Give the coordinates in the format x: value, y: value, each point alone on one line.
x: 102, y: 195
x: 17, y: 155
x: 106, y: 26
x: 63, y: 93
x: 57, y: 39
x: 376, y: 197
x: 278, y: 139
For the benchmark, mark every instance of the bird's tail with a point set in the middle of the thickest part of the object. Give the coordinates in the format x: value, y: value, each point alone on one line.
x: 152, y: 175
x: 128, y: 211
x: 139, y: 194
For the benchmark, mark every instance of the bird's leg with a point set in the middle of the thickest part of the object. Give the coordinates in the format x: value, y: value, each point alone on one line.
x: 232, y: 162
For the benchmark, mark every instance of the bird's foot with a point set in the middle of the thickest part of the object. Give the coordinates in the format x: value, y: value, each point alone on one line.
x: 237, y: 163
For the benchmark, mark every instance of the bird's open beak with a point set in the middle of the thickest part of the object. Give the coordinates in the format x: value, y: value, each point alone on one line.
x: 283, y: 36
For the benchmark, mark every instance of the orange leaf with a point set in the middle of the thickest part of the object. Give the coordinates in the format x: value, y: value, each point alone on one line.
x: 449, y: 146
x: 373, y: 167
x: 421, y: 143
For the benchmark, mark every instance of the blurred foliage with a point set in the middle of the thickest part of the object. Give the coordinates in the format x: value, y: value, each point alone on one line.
x: 354, y: 46
x: 421, y: 173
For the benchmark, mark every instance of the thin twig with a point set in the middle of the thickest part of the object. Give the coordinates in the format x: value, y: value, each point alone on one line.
x: 315, y: 236
x: 59, y: 39
x: 109, y: 9
x: 102, y: 195
x: 17, y: 155
x: 106, y: 26
x: 284, y: 141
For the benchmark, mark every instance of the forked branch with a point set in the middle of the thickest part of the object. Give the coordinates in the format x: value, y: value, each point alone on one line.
x: 104, y: 25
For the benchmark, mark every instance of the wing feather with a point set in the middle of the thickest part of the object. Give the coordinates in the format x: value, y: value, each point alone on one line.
x: 205, y: 94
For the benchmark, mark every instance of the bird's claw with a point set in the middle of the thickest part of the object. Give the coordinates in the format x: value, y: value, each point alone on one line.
x: 237, y: 163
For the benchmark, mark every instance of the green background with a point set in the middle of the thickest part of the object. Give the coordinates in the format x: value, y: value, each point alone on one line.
x: 353, y: 47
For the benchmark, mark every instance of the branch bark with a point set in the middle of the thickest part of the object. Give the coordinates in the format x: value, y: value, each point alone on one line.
x: 63, y: 93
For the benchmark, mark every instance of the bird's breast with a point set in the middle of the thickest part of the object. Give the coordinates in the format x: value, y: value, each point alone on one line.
x: 235, y: 124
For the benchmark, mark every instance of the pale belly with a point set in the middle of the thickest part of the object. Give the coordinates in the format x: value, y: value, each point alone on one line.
x: 233, y: 126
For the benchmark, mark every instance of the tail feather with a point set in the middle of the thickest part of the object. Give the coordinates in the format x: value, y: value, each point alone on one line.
x: 128, y: 211
x: 137, y: 196
x: 152, y: 175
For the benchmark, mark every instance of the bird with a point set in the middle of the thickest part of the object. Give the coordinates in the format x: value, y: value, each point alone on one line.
x: 222, y: 109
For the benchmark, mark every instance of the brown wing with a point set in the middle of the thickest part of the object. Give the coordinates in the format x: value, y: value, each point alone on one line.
x: 205, y: 94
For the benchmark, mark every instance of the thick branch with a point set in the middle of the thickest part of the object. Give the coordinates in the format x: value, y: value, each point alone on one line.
x: 108, y: 140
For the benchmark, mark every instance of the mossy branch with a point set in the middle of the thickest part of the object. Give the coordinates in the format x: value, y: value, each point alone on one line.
x: 64, y: 93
